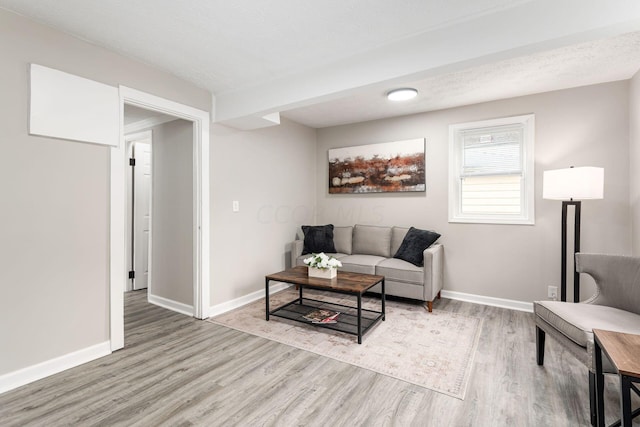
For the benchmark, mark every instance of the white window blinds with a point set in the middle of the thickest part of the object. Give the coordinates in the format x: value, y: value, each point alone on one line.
x: 492, y: 151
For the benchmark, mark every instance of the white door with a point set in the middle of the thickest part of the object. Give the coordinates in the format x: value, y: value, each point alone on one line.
x: 141, y: 212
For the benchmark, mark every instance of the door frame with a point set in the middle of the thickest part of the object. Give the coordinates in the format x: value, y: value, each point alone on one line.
x: 118, y: 211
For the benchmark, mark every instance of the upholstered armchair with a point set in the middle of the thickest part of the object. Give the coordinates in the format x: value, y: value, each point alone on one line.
x: 615, y: 307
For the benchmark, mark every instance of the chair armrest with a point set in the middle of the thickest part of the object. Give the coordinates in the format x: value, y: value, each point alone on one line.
x: 296, y: 250
x: 433, y: 271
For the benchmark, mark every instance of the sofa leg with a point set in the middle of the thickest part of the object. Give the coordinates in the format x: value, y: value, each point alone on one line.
x: 540, y: 336
x: 429, y: 306
x: 438, y: 295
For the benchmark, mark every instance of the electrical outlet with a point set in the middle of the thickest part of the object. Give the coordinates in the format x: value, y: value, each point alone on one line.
x: 552, y: 292
x: 235, y: 206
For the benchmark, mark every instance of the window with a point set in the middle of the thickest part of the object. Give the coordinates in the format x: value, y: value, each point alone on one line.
x: 491, y: 171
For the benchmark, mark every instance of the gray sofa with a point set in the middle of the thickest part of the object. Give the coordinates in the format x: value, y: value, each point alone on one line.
x: 370, y: 249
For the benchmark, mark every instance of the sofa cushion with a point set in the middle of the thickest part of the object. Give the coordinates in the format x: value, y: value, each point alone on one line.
x: 343, y: 239
x: 577, y: 321
x: 400, y: 271
x: 318, y: 238
x: 360, y: 263
x: 397, y: 236
x: 372, y: 240
x: 414, y: 244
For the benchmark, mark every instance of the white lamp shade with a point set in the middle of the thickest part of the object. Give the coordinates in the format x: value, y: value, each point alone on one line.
x: 583, y: 183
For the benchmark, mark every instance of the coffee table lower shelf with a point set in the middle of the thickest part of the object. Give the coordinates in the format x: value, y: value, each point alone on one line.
x: 347, y: 320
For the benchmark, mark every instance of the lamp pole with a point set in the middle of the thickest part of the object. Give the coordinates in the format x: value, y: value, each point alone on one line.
x: 576, y: 248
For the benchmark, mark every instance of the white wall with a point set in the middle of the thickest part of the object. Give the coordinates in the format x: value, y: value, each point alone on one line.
x: 271, y: 172
x: 584, y: 126
x: 634, y: 160
x: 54, y: 255
x: 172, y: 228
x: 54, y: 220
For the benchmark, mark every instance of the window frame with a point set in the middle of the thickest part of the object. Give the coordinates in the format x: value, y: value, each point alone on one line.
x: 527, y: 198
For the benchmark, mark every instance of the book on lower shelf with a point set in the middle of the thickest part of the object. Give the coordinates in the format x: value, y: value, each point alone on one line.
x: 322, y: 316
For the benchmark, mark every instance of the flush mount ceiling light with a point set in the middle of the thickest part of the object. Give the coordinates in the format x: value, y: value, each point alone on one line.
x: 402, y: 94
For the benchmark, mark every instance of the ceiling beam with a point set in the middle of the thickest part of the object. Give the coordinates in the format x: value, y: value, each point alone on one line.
x: 531, y: 27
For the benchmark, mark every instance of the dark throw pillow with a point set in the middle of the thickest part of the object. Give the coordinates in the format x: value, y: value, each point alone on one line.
x: 414, y: 243
x: 318, y: 238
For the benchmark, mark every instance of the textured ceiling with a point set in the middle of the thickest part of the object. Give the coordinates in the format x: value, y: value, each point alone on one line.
x: 330, y: 62
x: 606, y: 60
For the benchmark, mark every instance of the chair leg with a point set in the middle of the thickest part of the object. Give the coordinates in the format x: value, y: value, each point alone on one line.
x: 540, y: 336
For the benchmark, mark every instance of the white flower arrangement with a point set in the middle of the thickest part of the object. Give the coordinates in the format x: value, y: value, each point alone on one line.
x: 322, y: 261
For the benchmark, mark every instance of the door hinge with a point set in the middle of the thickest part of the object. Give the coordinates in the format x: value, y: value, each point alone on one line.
x: 132, y: 274
x: 132, y: 162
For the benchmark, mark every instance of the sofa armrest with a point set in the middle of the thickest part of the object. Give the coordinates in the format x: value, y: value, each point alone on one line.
x: 433, y: 271
x: 296, y: 250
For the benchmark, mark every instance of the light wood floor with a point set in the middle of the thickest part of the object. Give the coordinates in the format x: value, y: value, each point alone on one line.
x: 177, y: 371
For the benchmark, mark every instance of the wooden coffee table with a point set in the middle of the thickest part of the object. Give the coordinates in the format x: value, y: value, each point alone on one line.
x: 352, y: 320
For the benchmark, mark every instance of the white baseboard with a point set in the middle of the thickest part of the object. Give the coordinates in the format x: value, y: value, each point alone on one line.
x: 41, y: 370
x: 171, y: 304
x: 461, y: 296
x: 495, y: 302
x: 244, y: 300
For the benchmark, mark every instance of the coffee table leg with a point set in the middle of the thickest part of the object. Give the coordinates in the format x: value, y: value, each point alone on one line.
x: 266, y: 298
x: 359, y: 319
x: 300, y: 286
x: 383, y: 300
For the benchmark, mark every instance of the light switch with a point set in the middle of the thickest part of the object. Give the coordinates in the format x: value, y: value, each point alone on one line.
x: 236, y: 206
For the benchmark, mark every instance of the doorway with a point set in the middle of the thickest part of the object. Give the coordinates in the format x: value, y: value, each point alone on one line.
x: 160, y: 246
x: 201, y: 210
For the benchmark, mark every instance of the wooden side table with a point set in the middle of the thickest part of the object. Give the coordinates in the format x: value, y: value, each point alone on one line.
x: 623, y: 350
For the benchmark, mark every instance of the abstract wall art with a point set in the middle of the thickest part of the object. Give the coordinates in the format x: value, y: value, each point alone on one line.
x: 378, y: 168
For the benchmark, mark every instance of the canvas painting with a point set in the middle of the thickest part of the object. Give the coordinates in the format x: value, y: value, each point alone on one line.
x: 378, y: 168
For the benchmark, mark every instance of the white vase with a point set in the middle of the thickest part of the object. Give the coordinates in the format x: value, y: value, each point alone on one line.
x: 328, y: 273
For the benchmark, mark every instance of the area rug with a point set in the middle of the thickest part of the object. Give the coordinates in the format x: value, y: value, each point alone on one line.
x: 432, y: 350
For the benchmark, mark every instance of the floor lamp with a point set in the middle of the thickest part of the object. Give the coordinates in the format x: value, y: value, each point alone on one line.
x: 572, y: 185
